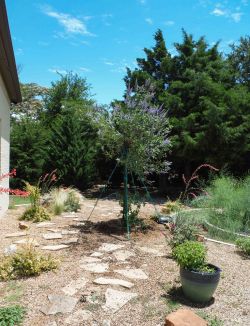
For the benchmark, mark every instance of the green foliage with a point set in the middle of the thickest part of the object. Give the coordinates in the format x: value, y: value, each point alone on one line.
x: 183, y: 233
x: 28, y: 150
x: 35, y: 214
x: 228, y: 203
x: 171, y: 207
x: 136, y: 132
x: 244, y: 245
x: 212, y: 321
x: 72, y: 203
x: 11, y: 316
x: 196, y: 87
x: 190, y: 255
x: 74, y: 146
x: 24, y: 263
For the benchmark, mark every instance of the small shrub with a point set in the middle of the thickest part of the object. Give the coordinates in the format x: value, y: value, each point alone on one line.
x: 72, y: 203
x: 26, y: 262
x: 171, y: 207
x: 190, y: 255
x: 182, y: 233
x: 244, y: 245
x: 35, y: 214
x: 11, y: 316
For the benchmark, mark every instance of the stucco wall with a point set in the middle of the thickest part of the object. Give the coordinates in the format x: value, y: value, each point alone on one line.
x: 4, y: 143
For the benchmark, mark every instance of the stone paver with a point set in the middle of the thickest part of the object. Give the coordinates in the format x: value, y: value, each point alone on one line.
x: 156, y: 252
x: 87, y: 260
x: 16, y: 235
x: 109, y: 247
x: 28, y: 241
x: 45, y: 224
x: 136, y: 274
x: 116, y: 299
x: 52, y: 236
x: 70, y: 241
x: 69, y: 232
x: 113, y: 281
x: 74, y: 286
x: 55, y: 247
x: 123, y: 255
x: 59, y: 304
x: 78, y: 318
x: 97, y: 254
x: 95, y: 267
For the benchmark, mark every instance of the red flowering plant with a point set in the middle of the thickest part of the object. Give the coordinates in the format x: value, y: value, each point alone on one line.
x: 191, y: 188
x: 46, y: 181
x: 16, y: 192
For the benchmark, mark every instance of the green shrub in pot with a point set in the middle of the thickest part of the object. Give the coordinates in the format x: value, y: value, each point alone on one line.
x: 198, y: 278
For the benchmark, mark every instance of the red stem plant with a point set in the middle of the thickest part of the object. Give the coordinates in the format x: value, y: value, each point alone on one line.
x: 16, y: 192
x: 191, y: 190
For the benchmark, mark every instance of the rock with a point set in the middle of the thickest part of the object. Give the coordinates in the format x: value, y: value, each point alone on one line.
x: 87, y: 260
x: 116, y: 299
x: 52, y: 236
x: 29, y: 241
x: 113, y: 281
x: 106, y: 323
x: 200, y: 238
x: 23, y: 226
x: 80, y: 224
x: 185, y: 317
x: 78, y: 317
x: 69, y: 232
x: 52, y: 323
x: 11, y: 249
x: 16, y: 235
x: 69, y: 215
x: 136, y: 274
x: 96, y: 254
x: 54, y: 230
x: 70, y: 241
x: 123, y: 255
x: 55, y: 247
x: 74, y: 286
x: 59, y: 304
x: 45, y: 224
x: 95, y: 267
x: 109, y: 247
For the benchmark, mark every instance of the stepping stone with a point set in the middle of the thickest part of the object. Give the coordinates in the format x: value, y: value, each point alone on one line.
x: 155, y: 252
x: 11, y: 249
x: 87, y: 260
x: 52, y: 236
x: 74, y: 286
x: 16, y: 235
x: 184, y: 317
x: 113, y: 281
x: 55, y: 247
x: 69, y: 232
x: 97, y: 254
x: 69, y: 215
x: 95, y: 267
x: 78, y: 317
x: 70, y: 241
x: 29, y: 241
x: 54, y: 230
x: 109, y: 247
x: 123, y: 255
x: 52, y: 323
x: 45, y: 224
x: 116, y: 299
x: 59, y: 304
x: 136, y: 274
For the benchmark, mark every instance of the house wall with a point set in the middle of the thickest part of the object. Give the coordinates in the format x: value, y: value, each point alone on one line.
x: 4, y: 143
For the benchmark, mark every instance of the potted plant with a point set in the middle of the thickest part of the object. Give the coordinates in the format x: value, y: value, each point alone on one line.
x: 198, y: 278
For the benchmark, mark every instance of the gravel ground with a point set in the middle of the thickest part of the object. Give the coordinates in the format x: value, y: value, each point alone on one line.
x: 157, y: 296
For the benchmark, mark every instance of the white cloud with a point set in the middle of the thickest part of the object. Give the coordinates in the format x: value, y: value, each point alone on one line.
x: 142, y: 2
x: 169, y: 23
x: 149, y: 21
x: 57, y: 71
x: 236, y: 16
x: 109, y: 63
x: 72, y: 25
x: 224, y: 12
x: 219, y: 12
x: 85, y: 69
x: 19, y: 51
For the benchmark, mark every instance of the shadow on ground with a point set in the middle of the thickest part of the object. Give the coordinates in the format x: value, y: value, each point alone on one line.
x: 176, y: 294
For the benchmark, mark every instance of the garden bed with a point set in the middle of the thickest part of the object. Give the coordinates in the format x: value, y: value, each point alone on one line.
x: 156, y: 296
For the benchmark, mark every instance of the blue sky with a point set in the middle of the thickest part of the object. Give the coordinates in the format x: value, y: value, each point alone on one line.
x: 99, y: 38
